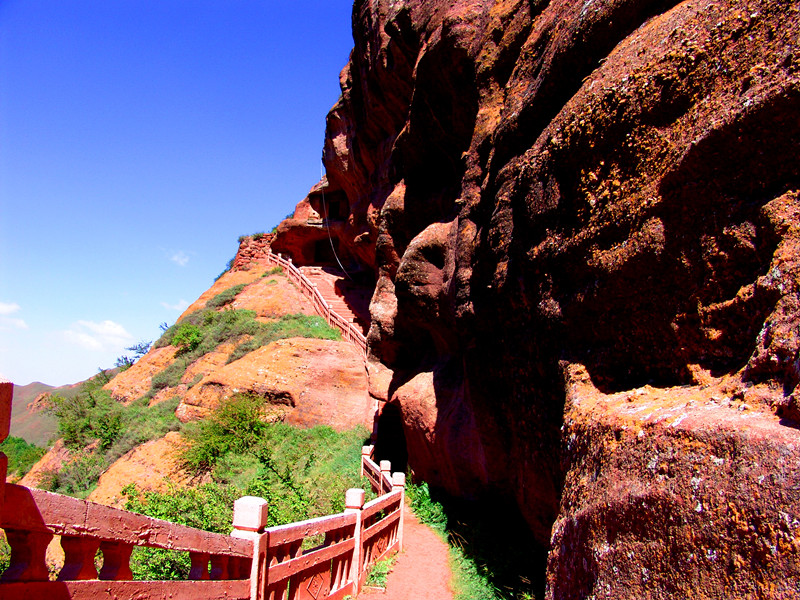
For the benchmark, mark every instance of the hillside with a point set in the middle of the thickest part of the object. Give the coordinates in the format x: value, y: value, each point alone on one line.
x: 253, y: 336
x: 28, y: 420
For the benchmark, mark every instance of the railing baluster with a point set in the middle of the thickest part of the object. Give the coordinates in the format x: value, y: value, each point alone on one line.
x: 116, y: 561
x: 199, y: 568
x: 79, y: 553
x: 28, y: 549
x: 219, y: 566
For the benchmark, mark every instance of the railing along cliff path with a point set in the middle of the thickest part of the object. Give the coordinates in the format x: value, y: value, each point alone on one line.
x: 350, y: 331
x: 254, y: 562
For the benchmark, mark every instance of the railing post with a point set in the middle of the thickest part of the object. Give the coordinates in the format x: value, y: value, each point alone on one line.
x: 249, y: 521
x: 399, y: 483
x: 366, y: 452
x: 6, y: 395
x: 386, y: 473
x: 354, y: 502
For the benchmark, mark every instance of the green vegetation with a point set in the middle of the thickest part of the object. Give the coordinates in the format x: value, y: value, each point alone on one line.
x: 202, y: 331
x: 273, y: 271
x: 21, y: 455
x: 287, y: 326
x: 302, y: 473
x: 208, y: 507
x: 225, y: 297
x: 97, y: 430
x: 485, y: 565
x: 379, y: 572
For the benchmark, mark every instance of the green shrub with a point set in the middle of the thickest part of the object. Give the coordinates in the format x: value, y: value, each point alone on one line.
x: 380, y: 571
x: 208, y: 507
x: 77, y: 477
x: 21, y: 455
x: 170, y: 376
x: 273, y: 271
x: 225, y: 297
x: 187, y: 337
x: 235, y: 426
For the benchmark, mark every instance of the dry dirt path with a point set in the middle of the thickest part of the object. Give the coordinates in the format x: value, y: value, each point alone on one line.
x: 421, y: 571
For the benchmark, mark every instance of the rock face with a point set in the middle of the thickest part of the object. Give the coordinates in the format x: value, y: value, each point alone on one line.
x: 613, y: 184
x: 305, y: 382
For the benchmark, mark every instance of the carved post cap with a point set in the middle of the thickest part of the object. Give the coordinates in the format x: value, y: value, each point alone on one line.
x: 386, y: 466
x: 366, y: 450
x: 250, y: 513
x: 354, y: 498
x: 398, y: 480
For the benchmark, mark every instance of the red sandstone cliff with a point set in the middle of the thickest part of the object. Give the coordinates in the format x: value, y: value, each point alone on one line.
x: 606, y: 187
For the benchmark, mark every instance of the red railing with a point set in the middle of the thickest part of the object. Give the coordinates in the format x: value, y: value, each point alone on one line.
x: 350, y: 331
x: 253, y: 562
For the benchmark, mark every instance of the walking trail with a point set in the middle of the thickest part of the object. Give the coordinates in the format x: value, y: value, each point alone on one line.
x: 421, y: 571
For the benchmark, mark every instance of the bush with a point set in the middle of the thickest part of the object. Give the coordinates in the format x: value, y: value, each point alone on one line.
x: 21, y: 455
x: 208, y: 507
x: 225, y: 297
x: 92, y: 416
x: 187, y: 337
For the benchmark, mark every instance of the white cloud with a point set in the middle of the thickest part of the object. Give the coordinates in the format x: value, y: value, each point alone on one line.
x: 105, y: 335
x: 181, y: 306
x: 7, y: 308
x: 180, y: 258
x: 6, y: 322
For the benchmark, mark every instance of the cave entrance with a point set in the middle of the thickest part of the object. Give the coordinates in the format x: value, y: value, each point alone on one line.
x: 390, y: 443
x: 323, y: 253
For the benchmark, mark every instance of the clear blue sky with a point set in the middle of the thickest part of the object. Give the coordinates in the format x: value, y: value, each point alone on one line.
x: 138, y: 140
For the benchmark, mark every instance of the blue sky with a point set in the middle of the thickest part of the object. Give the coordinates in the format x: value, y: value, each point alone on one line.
x: 138, y: 140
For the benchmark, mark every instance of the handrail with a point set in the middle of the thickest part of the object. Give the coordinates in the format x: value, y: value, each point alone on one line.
x: 350, y: 332
x: 253, y: 562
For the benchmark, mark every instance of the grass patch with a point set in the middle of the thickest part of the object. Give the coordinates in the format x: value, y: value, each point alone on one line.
x: 287, y: 326
x: 21, y: 455
x: 485, y: 564
x: 225, y: 297
x: 273, y: 271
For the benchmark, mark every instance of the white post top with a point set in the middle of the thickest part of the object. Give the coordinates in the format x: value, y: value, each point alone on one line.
x: 250, y: 513
x: 354, y: 498
x: 386, y: 465
x: 398, y: 479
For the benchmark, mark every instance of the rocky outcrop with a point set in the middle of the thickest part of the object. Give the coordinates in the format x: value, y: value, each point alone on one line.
x: 253, y: 250
x: 612, y: 184
x: 154, y: 466
x: 304, y: 382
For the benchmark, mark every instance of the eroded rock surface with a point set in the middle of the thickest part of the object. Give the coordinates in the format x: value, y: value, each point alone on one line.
x: 303, y: 381
x: 612, y: 184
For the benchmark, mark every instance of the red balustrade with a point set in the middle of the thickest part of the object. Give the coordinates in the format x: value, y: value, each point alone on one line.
x: 350, y: 332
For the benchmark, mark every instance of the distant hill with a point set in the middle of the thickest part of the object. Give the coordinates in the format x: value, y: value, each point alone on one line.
x: 28, y: 420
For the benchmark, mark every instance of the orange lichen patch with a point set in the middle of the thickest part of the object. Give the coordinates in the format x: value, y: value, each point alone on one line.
x: 228, y: 280
x: 273, y: 296
x: 318, y: 381
x: 135, y: 381
x: 151, y: 466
